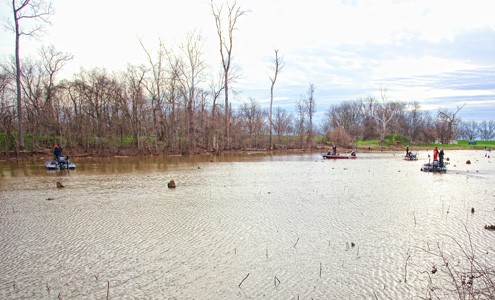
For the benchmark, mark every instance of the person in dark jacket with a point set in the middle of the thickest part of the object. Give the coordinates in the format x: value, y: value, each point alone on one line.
x: 57, y: 151
x: 440, y: 158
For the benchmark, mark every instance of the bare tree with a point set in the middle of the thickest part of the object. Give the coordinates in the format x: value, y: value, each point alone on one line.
x: 384, y: 112
x: 450, y: 120
x: 282, y: 123
x: 300, y: 119
x: 192, y: 72
x: 251, y: 116
x: 133, y: 103
x: 346, y: 115
x: 487, y: 130
x: 310, y: 110
x: 154, y: 86
x: 52, y: 62
x: 33, y: 15
x: 225, y: 38
x: 216, y: 88
x: 469, y: 130
x: 278, y: 67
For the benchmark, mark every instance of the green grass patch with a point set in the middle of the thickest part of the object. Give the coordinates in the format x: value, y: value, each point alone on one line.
x: 388, y: 141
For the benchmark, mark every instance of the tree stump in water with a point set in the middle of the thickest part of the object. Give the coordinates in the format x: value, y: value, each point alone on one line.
x: 171, y: 184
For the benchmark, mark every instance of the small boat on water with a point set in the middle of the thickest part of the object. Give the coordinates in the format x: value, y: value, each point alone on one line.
x: 434, y: 167
x: 62, y: 163
x: 339, y: 156
x: 410, y: 156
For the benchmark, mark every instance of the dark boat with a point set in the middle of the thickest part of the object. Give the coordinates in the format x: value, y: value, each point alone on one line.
x: 434, y: 167
x: 410, y: 156
x: 62, y: 163
x: 338, y: 156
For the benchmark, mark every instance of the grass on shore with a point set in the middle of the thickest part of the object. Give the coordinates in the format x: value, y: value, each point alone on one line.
x: 400, y: 142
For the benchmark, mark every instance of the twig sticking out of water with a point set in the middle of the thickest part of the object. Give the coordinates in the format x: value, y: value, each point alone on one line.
x: 108, y: 288
x: 414, y: 214
x: 375, y: 296
x: 276, y: 281
x: 405, y: 267
x: 243, y: 279
x: 320, y: 269
x: 296, y: 243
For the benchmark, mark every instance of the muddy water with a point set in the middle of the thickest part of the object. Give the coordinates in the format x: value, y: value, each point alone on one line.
x: 250, y: 227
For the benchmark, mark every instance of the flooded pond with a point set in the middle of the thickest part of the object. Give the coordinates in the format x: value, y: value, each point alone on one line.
x: 245, y: 227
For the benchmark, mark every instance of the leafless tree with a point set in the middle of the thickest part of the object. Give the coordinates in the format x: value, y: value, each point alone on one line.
x: 216, y: 88
x: 346, y: 115
x: 310, y: 110
x: 450, y: 120
x: 301, y: 110
x: 487, y: 130
x: 134, y: 103
x: 282, y: 123
x: 279, y: 64
x: 154, y: 86
x: 52, y: 63
x: 32, y: 15
x: 225, y: 38
x: 384, y: 112
x: 193, y: 73
x: 252, y: 117
x: 468, y: 130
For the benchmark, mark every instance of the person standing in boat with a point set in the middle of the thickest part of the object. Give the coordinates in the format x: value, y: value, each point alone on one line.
x: 57, y: 151
x: 435, y: 154
x: 407, y: 151
x: 440, y: 156
x: 334, y: 148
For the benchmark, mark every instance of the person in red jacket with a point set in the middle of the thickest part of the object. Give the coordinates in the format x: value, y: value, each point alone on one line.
x: 435, y: 153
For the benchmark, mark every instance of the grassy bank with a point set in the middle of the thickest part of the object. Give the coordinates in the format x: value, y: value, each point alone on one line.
x: 400, y: 142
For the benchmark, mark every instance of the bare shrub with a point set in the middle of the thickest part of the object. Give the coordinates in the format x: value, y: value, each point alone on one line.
x: 461, y: 270
x: 339, y: 136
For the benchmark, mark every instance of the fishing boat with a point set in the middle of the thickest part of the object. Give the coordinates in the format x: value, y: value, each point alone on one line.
x: 62, y: 163
x: 339, y: 156
x: 434, y: 167
x: 410, y: 156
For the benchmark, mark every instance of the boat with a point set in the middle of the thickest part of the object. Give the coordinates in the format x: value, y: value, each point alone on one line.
x: 433, y: 167
x: 411, y: 156
x: 62, y: 163
x: 338, y: 156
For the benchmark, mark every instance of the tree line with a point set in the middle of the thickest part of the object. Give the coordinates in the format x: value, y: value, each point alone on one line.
x: 371, y: 118
x: 173, y: 103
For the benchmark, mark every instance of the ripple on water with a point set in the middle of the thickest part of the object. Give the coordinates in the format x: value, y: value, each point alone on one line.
x: 287, y: 221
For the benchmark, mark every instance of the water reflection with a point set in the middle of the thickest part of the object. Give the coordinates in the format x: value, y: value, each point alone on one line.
x: 290, y: 217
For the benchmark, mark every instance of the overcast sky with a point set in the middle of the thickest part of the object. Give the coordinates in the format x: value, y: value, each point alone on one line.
x: 440, y: 53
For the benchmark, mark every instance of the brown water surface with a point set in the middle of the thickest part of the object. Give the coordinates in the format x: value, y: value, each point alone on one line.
x: 238, y: 227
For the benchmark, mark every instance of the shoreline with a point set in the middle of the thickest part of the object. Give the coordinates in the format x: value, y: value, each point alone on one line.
x: 47, y: 155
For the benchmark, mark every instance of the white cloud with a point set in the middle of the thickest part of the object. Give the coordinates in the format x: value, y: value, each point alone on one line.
x: 333, y: 44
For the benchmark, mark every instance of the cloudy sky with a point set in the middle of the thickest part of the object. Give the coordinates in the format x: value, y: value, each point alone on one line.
x: 440, y: 53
